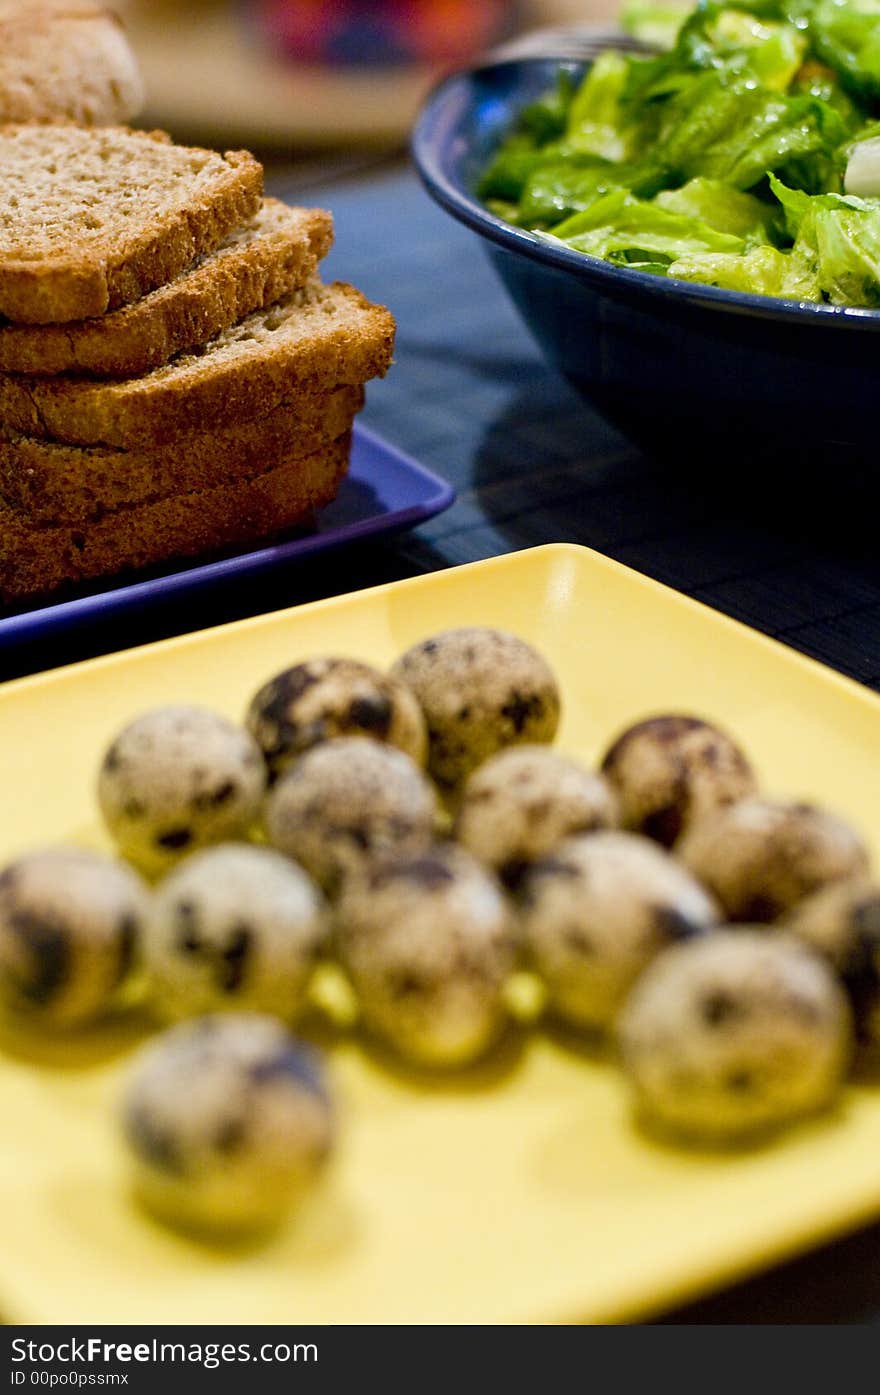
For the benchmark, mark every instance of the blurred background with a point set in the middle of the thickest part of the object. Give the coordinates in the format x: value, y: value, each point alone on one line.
x: 305, y: 74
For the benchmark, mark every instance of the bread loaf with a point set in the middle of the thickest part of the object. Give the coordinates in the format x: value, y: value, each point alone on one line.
x: 56, y: 483
x: 316, y: 339
x: 254, y: 267
x: 37, y: 561
x: 91, y: 219
x: 66, y: 61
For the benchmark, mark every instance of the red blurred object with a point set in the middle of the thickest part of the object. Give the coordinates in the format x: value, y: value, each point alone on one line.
x: 381, y: 32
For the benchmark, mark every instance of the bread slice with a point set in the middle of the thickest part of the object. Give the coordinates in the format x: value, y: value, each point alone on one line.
x: 37, y: 561
x: 66, y: 62
x: 52, y: 483
x: 91, y: 219
x: 253, y: 268
x: 315, y: 339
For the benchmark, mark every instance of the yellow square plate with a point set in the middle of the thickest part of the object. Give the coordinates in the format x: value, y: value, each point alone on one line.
x: 520, y: 1192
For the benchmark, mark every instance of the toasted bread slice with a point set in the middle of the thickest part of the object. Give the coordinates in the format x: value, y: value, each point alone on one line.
x: 37, y: 561
x: 253, y: 268
x: 315, y: 339
x: 65, y: 61
x: 52, y: 483
x: 91, y: 219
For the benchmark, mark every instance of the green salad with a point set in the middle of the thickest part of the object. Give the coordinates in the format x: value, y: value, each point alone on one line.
x: 745, y: 155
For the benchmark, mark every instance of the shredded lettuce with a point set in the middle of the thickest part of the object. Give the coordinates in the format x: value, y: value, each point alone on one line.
x: 845, y: 34
x: 722, y: 160
x: 760, y: 271
x: 839, y: 235
x: 556, y: 190
x: 598, y: 120
x: 737, y: 131
x: 653, y: 22
x: 723, y: 208
x: 620, y: 222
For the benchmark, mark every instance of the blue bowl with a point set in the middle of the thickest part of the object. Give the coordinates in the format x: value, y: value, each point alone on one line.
x: 734, y: 376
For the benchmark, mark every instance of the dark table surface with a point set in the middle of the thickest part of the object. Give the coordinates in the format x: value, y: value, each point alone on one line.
x: 470, y: 397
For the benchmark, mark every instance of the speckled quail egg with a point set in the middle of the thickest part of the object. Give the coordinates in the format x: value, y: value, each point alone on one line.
x: 227, y: 1121
x: 760, y: 857
x: 480, y: 690
x: 345, y: 804
x: 428, y: 942
x: 234, y: 927
x: 733, y: 1035
x: 670, y: 771
x: 596, y: 911
x: 519, y: 804
x: 70, y: 926
x: 842, y: 923
x: 177, y: 779
x: 323, y: 698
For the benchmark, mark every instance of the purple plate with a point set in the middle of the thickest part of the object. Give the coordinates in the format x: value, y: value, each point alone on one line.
x: 384, y: 492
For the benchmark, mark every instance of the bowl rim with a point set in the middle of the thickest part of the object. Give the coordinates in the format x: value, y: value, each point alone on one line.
x: 430, y: 147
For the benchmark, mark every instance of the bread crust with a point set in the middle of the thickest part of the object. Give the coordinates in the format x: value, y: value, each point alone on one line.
x: 254, y: 371
x: 51, y: 483
x: 218, y: 291
x: 34, y: 562
x: 77, y: 283
x: 66, y: 62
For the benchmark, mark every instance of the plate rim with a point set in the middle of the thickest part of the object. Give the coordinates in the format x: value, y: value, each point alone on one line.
x: 574, y: 551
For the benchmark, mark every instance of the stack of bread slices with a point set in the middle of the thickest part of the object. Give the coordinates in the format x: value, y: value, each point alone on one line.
x: 175, y: 378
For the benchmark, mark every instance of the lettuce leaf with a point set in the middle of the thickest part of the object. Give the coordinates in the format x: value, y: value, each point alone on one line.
x: 816, y: 79
x: 655, y: 22
x: 761, y: 271
x: 848, y: 256
x: 839, y: 236
x: 737, y: 132
x: 845, y: 34
x: 800, y: 207
x: 621, y: 223
x: 598, y: 121
x: 771, y: 52
x: 728, y: 40
x: 777, y: 132
x: 558, y: 188
x: 505, y: 177
x: 538, y: 134
x: 723, y: 208
x: 546, y: 119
